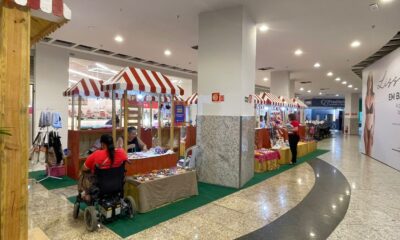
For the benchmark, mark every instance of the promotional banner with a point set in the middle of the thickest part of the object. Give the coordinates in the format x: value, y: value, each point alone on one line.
x: 179, y: 113
x: 325, y: 102
x: 381, y: 110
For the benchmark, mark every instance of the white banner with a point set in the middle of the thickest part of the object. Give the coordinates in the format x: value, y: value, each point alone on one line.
x: 381, y: 110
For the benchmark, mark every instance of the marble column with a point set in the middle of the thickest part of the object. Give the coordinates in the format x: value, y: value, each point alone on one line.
x: 225, y: 129
x: 351, y: 113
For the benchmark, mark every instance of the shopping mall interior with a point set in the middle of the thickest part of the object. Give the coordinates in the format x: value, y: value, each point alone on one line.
x: 199, y: 119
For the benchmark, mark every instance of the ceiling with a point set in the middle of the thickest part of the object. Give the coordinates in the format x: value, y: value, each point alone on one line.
x: 322, y: 29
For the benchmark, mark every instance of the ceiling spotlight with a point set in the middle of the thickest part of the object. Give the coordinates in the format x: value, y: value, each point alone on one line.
x: 263, y: 28
x: 265, y: 79
x: 298, y: 52
x: 344, y: 82
x: 320, y: 93
x: 350, y: 86
x: 317, y: 65
x: 329, y: 74
x: 301, y: 89
x: 167, y: 52
x: 355, y: 44
x: 338, y: 79
x: 337, y: 95
x: 356, y: 89
x: 309, y: 91
x: 119, y: 38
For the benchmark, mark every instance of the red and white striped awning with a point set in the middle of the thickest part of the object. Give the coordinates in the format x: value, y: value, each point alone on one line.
x: 87, y: 88
x: 163, y: 98
x: 299, y: 103
x: 287, y: 102
x: 141, y: 80
x: 271, y: 99
x: 258, y: 100
x: 54, y: 7
x: 192, y: 99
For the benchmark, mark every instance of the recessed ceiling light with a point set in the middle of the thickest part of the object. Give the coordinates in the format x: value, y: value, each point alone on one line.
x: 337, y: 95
x: 386, y: 1
x: 329, y: 74
x: 167, y: 52
x: 344, y: 82
x: 301, y: 89
x: 356, y: 89
x: 298, y: 52
x: 320, y: 93
x: 338, y: 79
x: 308, y: 91
x: 317, y: 65
x: 350, y: 86
x: 355, y: 44
x: 265, y: 79
x: 119, y: 38
x: 263, y: 28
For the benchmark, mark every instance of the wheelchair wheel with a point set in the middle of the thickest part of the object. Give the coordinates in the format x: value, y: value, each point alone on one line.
x: 91, y: 220
x: 75, y: 213
x: 131, y: 209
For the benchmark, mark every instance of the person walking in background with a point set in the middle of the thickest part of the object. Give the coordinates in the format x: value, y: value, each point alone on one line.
x: 369, y: 116
x: 293, y: 136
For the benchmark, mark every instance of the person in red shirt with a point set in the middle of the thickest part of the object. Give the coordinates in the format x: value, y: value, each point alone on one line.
x: 106, y: 157
x: 293, y: 136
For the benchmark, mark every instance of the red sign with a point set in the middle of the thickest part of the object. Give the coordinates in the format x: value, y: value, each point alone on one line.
x: 215, y: 97
x: 221, y: 98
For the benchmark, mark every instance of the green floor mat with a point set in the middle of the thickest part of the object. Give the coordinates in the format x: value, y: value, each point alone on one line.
x: 52, y: 183
x: 125, y: 227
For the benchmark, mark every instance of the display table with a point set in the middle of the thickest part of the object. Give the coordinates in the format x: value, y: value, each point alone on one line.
x: 286, y: 156
x: 312, y: 146
x: 148, y: 164
x: 155, y: 193
x: 302, y: 149
x: 266, y: 160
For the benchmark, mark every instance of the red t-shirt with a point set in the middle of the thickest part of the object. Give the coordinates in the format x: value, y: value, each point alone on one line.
x: 100, y: 157
x: 295, y: 124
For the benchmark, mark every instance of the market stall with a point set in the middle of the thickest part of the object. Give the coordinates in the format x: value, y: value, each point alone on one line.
x: 81, y: 142
x: 132, y: 81
x: 189, y: 139
x: 302, y: 128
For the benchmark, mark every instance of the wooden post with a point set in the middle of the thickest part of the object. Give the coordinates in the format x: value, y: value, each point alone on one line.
x: 79, y: 112
x: 73, y: 113
x: 121, y: 114
x: 126, y: 112
x: 151, y: 114
x: 159, y: 121
x: 114, y: 127
x: 172, y: 130
x: 15, y: 25
x: 140, y: 120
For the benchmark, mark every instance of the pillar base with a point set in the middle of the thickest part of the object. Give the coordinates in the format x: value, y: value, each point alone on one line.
x: 226, y: 149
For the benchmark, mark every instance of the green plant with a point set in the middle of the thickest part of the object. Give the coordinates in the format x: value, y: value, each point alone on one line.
x: 4, y: 131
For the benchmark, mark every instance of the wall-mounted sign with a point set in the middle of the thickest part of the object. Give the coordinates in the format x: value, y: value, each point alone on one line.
x: 221, y: 98
x: 325, y: 102
x: 215, y: 97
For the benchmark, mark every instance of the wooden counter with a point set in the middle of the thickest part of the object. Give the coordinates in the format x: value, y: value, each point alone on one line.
x: 145, y: 165
x: 79, y: 141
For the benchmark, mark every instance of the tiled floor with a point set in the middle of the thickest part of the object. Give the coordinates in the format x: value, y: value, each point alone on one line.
x: 374, y: 211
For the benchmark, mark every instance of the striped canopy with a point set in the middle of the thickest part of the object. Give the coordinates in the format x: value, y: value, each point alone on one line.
x: 258, y: 100
x: 192, y: 99
x: 141, y: 80
x: 54, y: 7
x: 271, y: 99
x: 87, y: 88
x: 287, y: 102
x: 299, y: 103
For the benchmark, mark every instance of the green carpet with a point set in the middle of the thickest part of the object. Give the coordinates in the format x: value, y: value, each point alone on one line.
x: 125, y: 227
x: 52, y: 183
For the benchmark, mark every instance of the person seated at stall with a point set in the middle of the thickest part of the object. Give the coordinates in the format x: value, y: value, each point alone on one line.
x: 135, y: 144
x: 105, y: 158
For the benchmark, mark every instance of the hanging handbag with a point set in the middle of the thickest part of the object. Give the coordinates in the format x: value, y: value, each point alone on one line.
x: 35, y: 148
x: 43, y: 149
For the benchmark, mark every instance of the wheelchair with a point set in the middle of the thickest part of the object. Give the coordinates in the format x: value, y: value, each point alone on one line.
x: 107, y: 199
